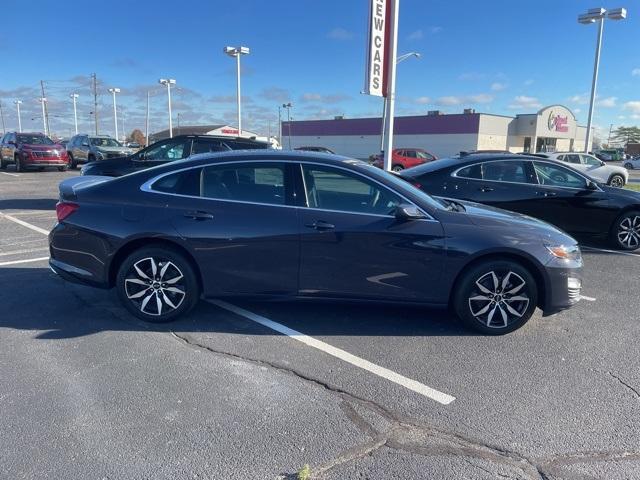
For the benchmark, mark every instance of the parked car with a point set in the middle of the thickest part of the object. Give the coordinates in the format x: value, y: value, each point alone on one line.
x: 305, y: 226
x: 613, y: 175
x: 632, y: 163
x: 542, y: 188
x: 85, y: 148
x: 609, y: 155
x: 168, y: 150
x: 315, y: 149
x: 31, y: 151
x: 402, y: 158
x: 134, y: 145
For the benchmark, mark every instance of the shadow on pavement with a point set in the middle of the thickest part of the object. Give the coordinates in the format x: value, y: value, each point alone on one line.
x: 36, y: 299
x: 28, y: 204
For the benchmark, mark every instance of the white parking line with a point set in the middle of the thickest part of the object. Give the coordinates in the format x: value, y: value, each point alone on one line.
x: 387, y: 374
x: 618, y: 252
x: 16, y: 262
x: 20, y: 252
x: 10, y: 174
x: 24, y: 224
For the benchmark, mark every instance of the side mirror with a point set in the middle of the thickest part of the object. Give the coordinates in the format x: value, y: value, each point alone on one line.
x: 85, y: 144
x: 12, y: 142
x: 407, y: 211
x: 591, y: 185
x: 602, y: 164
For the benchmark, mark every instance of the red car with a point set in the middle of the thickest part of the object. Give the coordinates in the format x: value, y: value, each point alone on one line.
x: 32, y: 150
x: 402, y: 158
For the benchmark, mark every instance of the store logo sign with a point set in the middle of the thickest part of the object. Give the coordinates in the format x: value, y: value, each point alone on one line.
x: 558, y: 123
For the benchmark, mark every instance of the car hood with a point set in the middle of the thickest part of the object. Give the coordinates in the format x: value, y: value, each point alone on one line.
x: 123, y: 150
x: 486, y: 216
x: 630, y: 196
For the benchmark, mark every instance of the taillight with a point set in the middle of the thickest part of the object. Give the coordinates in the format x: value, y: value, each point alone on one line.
x: 64, y: 209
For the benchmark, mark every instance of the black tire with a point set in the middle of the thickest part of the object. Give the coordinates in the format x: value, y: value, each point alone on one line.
x: 63, y: 168
x: 91, y: 158
x: 628, y: 166
x: 2, y: 164
x: 72, y: 163
x: 132, y: 292
x: 616, y: 180
x: 18, y: 163
x: 492, y: 316
x: 625, y: 232
x: 397, y: 168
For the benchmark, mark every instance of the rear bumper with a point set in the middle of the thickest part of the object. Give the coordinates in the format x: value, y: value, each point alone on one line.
x: 74, y: 274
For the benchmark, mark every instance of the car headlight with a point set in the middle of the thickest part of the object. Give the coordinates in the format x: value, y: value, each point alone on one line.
x: 565, y: 252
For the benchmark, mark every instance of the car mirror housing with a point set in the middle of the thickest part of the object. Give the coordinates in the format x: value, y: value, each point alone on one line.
x: 407, y: 211
x: 591, y: 185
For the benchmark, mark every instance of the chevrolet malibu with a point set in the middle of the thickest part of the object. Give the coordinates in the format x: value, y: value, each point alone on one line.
x: 267, y: 224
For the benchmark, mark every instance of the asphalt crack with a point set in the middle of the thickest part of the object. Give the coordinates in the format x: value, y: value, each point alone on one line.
x: 625, y: 384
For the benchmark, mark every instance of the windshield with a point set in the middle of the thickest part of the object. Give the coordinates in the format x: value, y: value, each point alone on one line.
x: 423, y: 154
x: 34, y: 140
x: 105, y: 142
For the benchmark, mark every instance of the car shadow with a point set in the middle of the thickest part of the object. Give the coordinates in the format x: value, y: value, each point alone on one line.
x: 59, y: 310
x: 28, y: 204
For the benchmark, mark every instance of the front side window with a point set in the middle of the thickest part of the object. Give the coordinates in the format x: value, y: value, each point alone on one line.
x: 258, y: 183
x: 424, y: 155
x: 589, y: 160
x: 105, y: 142
x: 168, y: 150
x: 557, y: 176
x: 505, y: 171
x: 333, y: 189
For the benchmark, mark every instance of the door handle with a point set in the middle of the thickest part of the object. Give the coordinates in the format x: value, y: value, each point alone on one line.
x: 486, y: 189
x: 546, y: 194
x: 199, y: 215
x: 320, y: 225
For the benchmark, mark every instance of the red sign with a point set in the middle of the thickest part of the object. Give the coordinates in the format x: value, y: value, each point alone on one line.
x: 232, y: 131
x: 558, y: 123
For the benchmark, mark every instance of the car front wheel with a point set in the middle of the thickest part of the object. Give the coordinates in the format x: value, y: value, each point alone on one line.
x: 157, y: 284
x: 397, y: 168
x: 625, y: 234
x: 496, y: 297
x: 616, y: 181
x: 628, y: 166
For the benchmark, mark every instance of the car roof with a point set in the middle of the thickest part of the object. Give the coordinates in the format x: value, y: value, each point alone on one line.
x: 463, y: 161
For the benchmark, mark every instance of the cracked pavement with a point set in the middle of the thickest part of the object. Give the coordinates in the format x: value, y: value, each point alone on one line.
x: 86, y: 391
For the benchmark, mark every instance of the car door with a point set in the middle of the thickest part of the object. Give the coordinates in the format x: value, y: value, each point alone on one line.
x: 9, y: 147
x: 352, y: 245
x: 565, y: 200
x: 82, y: 148
x: 238, y: 219
x: 595, y: 168
x: 162, y: 152
x: 2, y: 146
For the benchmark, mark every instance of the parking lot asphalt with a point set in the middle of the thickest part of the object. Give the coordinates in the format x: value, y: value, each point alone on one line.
x: 235, y: 390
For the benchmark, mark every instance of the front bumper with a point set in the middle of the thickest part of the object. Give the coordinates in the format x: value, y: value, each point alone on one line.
x: 564, y: 286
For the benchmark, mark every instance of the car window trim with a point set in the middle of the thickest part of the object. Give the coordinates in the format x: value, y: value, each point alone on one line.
x: 146, y: 187
x: 455, y: 172
x: 586, y: 179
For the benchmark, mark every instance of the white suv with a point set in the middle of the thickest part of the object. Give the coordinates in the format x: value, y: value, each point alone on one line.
x: 612, y: 175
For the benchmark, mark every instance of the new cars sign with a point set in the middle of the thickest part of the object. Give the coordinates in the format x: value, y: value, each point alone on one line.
x: 378, y: 41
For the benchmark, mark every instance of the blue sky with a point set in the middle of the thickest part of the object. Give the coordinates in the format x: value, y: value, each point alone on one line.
x: 498, y: 56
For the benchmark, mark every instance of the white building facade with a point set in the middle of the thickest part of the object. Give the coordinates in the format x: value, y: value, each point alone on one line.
x: 553, y: 128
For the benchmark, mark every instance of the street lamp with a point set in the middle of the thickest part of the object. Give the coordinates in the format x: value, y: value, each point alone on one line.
x: 43, y: 100
x: 168, y: 82
x: 401, y: 58
x: 113, y: 92
x: 594, y: 15
x: 288, y: 107
x: 18, y: 103
x: 237, y: 52
x: 179, y: 115
x: 74, y: 98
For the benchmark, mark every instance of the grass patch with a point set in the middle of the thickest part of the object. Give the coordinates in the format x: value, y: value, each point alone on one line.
x: 633, y: 186
x: 304, y: 473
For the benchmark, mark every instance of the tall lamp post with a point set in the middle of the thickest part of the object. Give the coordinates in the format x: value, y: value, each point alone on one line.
x: 288, y: 107
x: 594, y: 15
x: 168, y: 82
x: 74, y: 98
x: 43, y: 100
x: 113, y: 92
x: 18, y: 103
x: 237, y: 52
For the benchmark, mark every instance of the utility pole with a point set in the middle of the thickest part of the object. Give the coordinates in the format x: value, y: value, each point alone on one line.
x: 146, y: 132
x: 609, y: 137
x: 279, y: 126
x: 45, y: 109
x: 74, y: 98
x: 43, y: 101
x: 95, y: 101
x: 2, y: 115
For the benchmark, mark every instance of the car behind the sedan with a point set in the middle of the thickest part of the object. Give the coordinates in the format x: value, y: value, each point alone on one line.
x: 274, y: 224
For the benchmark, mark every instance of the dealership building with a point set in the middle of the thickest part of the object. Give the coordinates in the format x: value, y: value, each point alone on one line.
x: 553, y: 128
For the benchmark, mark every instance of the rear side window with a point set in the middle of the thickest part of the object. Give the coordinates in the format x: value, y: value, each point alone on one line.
x: 181, y: 183
x: 571, y: 158
x: 505, y: 171
x: 260, y: 183
x: 472, y: 171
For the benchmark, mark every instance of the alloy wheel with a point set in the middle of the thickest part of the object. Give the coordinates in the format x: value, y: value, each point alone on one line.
x: 155, y: 286
x: 629, y: 232
x: 617, y: 181
x: 499, y: 299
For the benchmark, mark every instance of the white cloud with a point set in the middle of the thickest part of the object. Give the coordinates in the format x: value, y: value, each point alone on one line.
x: 435, y: 30
x: 480, y: 98
x: 340, y: 34
x: 451, y: 100
x: 635, y: 116
x: 607, y: 102
x: 528, y: 82
x: 422, y: 100
x: 417, y: 35
x: 635, y: 72
x: 633, y: 106
x: 621, y: 117
x: 524, y: 102
x: 577, y: 110
x: 316, y: 97
x: 580, y: 99
x: 497, y: 86
x: 471, y: 76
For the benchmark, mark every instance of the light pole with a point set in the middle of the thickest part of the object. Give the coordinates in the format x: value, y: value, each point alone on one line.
x: 288, y: 107
x: 74, y: 98
x: 179, y: 115
x: 597, y: 15
x: 2, y: 116
x: 18, y: 103
x: 168, y: 82
x: 237, y: 52
x: 43, y: 100
x: 113, y: 92
x: 279, y: 126
x: 401, y: 58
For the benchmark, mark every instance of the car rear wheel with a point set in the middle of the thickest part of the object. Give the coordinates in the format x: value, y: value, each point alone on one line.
x: 628, y: 166
x: 91, y: 158
x: 397, y: 168
x: 62, y: 169
x: 496, y: 297
x: 625, y: 234
x: 616, y: 181
x: 18, y: 163
x: 72, y: 163
x: 157, y: 284
x: 2, y: 164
